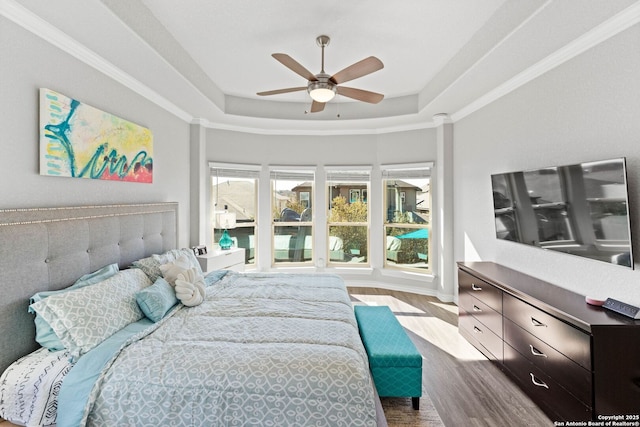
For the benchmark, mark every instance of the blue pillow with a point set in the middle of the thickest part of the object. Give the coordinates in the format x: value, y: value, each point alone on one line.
x: 44, y: 334
x: 214, y: 276
x: 156, y: 300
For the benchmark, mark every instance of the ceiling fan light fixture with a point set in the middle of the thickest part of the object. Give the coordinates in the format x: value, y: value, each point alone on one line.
x: 322, y: 91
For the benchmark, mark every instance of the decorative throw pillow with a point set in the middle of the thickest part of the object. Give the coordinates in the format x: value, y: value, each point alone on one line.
x: 190, y: 288
x: 156, y: 300
x: 44, y: 334
x: 171, y: 270
x: 83, y: 318
x: 173, y: 254
x: 151, y: 265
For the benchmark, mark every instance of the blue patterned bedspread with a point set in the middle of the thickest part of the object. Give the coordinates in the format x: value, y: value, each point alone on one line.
x: 262, y: 350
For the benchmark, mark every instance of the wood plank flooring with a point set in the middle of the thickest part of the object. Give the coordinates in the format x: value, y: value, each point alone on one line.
x: 466, y: 389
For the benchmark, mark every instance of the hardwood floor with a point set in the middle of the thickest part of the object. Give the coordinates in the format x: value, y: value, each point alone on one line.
x: 466, y: 389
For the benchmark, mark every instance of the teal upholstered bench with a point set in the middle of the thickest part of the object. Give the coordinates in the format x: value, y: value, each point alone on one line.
x: 396, y: 364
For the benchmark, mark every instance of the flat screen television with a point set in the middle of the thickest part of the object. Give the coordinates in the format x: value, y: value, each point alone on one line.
x: 580, y: 209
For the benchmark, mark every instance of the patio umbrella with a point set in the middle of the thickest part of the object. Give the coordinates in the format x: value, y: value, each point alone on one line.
x: 421, y: 233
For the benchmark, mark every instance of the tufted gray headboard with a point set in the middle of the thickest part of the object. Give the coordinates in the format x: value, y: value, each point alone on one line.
x: 50, y: 248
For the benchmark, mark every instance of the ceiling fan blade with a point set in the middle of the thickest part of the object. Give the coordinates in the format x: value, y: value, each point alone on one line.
x: 277, y: 91
x: 360, y: 95
x: 316, y: 106
x: 294, y: 66
x: 359, y: 69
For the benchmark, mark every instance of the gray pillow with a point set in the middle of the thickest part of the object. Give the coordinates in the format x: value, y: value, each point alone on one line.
x: 44, y: 334
x: 151, y: 265
x: 83, y: 318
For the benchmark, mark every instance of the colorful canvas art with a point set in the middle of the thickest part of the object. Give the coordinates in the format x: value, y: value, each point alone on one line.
x: 80, y: 141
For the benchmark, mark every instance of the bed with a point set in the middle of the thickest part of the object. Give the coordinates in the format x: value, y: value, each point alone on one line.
x: 259, y: 349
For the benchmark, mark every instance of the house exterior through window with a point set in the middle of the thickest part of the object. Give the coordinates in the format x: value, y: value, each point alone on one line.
x: 292, y: 215
x: 407, y: 216
x: 348, y: 215
x: 234, y: 188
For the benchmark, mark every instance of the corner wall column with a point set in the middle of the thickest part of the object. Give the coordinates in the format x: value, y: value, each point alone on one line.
x: 199, y: 188
x: 444, y: 216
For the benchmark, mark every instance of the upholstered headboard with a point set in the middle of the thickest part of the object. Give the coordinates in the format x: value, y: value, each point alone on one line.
x: 50, y: 248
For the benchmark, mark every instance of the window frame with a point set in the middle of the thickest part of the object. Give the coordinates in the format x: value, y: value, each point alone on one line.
x: 350, y: 176
x: 292, y: 171
x: 241, y: 171
x: 399, y: 172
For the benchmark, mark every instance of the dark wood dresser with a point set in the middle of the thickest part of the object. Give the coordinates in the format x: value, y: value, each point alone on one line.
x: 576, y: 361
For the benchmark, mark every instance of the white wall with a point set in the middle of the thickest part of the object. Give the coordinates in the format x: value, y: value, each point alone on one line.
x: 28, y: 62
x: 586, y: 109
x: 374, y: 150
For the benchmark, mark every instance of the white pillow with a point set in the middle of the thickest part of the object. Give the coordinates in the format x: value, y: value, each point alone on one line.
x: 190, y: 287
x: 85, y: 317
x: 171, y: 270
x: 151, y: 265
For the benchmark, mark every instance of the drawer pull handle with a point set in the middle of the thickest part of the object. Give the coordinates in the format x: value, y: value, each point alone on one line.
x: 536, y: 352
x: 476, y: 308
x: 537, y: 322
x: 475, y: 287
x: 477, y: 330
x: 537, y: 382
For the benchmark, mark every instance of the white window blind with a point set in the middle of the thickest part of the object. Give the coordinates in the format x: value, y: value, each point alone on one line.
x: 348, y: 175
x: 292, y: 175
x: 229, y: 170
x: 418, y: 170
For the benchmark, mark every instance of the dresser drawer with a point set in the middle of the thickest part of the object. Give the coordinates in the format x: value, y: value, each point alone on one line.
x: 563, y: 370
x: 566, y: 339
x: 480, y: 289
x: 481, y: 311
x: 544, y: 390
x: 478, y: 334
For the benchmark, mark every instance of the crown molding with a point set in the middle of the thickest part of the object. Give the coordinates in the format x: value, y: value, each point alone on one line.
x: 17, y: 13
x: 609, y: 28
x: 312, y: 132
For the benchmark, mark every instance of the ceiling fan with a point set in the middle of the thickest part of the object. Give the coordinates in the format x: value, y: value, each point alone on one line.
x: 322, y: 87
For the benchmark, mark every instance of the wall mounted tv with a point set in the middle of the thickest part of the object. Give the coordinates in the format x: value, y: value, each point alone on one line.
x: 579, y: 209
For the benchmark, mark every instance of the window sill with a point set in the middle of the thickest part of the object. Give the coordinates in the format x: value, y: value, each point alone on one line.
x: 292, y: 269
x: 411, y: 275
x: 348, y: 270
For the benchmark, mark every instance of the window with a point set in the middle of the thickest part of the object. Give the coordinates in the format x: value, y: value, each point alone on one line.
x: 505, y: 216
x: 234, y: 189
x: 407, y: 216
x: 292, y: 215
x: 348, y: 216
x: 606, y: 196
x: 305, y: 197
x: 545, y: 192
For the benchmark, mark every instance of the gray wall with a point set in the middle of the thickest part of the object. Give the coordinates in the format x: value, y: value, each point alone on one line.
x: 374, y: 149
x: 586, y: 109
x: 27, y: 63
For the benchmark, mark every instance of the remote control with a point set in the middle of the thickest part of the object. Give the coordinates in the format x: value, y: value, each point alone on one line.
x: 622, y: 308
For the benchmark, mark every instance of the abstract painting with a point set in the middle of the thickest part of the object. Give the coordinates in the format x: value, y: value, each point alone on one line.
x: 80, y: 141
